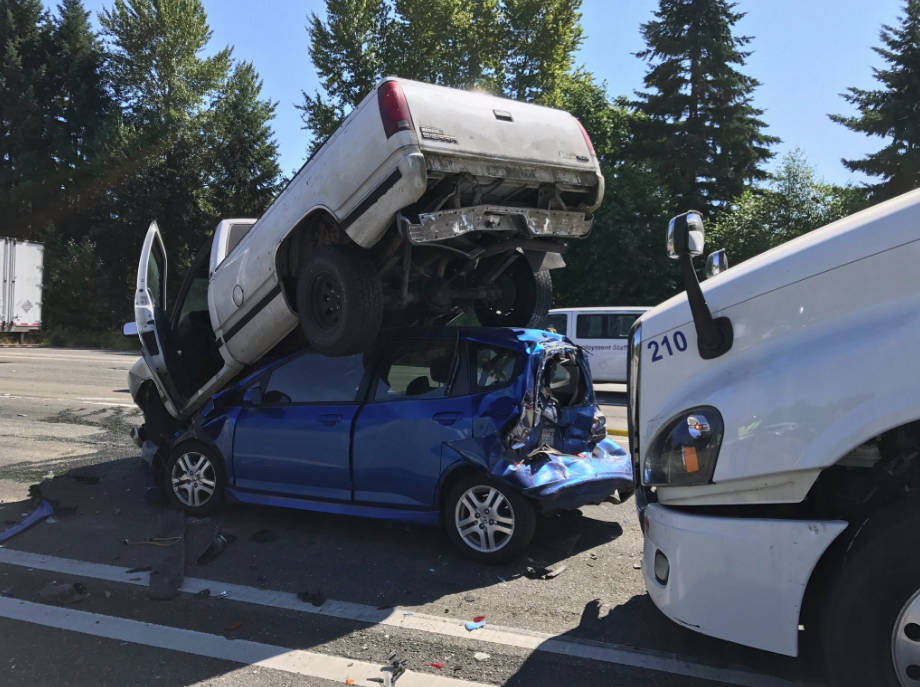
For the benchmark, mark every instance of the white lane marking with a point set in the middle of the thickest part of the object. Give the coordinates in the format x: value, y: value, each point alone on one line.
x: 493, y: 634
x: 91, y: 401
x: 5, y: 353
x: 297, y: 661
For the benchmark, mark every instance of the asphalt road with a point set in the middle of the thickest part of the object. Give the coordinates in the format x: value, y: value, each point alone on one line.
x: 380, y: 587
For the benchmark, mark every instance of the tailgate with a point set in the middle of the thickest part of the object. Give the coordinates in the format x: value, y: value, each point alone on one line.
x: 464, y: 123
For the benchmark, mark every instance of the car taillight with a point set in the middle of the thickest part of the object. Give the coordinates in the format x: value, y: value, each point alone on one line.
x: 394, y: 110
x: 587, y: 138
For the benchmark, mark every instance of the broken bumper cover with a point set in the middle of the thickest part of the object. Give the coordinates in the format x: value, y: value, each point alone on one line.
x: 564, y: 482
x: 450, y: 224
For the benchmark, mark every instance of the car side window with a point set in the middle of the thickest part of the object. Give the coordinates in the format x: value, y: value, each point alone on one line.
x: 494, y: 367
x: 312, y: 378
x: 601, y: 326
x: 416, y: 370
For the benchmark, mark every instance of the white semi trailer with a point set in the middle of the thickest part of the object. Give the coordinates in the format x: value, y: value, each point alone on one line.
x: 774, y: 423
x: 20, y: 285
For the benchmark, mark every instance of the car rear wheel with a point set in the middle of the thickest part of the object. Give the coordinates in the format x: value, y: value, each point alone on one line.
x: 488, y: 521
x: 195, y: 478
x: 523, y: 301
x: 339, y: 300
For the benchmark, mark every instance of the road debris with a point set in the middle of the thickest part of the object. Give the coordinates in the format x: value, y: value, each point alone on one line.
x: 202, y: 594
x: 439, y: 666
x: 64, y: 593
x: 397, y: 666
x: 481, y: 656
x: 218, y: 544
x: 43, y: 510
x: 315, y: 598
x: 542, y: 573
x: 224, y: 594
x: 637, y: 565
x: 474, y: 626
x: 479, y: 618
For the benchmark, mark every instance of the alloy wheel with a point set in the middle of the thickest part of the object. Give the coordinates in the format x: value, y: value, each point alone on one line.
x: 484, y: 519
x: 193, y: 479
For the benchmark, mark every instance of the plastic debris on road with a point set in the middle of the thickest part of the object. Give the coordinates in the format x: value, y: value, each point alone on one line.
x: 64, y: 593
x: 479, y: 618
x: 475, y: 626
x: 543, y: 573
x: 482, y: 656
x: 43, y: 511
x: 439, y: 666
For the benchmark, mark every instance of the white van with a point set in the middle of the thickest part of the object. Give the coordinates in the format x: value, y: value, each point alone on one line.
x: 603, y: 332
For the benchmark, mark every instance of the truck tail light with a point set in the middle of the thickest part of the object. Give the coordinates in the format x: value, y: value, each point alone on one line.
x: 587, y: 138
x: 394, y: 110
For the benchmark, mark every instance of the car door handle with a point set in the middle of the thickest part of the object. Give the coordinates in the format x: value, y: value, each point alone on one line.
x: 330, y: 419
x: 446, y: 418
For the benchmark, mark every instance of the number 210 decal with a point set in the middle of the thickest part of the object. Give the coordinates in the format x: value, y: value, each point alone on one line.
x: 656, y: 347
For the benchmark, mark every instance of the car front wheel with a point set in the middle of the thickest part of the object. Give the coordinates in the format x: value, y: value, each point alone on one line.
x: 195, y: 478
x: 871, y: 626
x: 488, y: 521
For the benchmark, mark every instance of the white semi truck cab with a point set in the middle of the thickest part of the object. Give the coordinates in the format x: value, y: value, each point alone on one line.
x: 774, y: 419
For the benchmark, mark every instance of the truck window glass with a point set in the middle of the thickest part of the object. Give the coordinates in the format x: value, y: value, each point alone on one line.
x: 601, y: 326
x: 416, y: 371
x: 155, y: 274
x: 313, y: 378
x: 558, y: 323
x: 494, y: 367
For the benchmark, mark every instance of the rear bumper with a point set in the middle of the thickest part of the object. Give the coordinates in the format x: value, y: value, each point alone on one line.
x: 564, y: 482
x: 739, y: 579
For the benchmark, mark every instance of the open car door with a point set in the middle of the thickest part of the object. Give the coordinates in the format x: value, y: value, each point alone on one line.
x: 153, y: 322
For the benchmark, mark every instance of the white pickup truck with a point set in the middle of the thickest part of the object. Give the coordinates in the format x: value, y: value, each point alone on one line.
x: 426, y: 201
x: 776, y: 445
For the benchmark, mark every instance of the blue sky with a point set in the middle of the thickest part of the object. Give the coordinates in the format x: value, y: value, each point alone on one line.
x: 805, y: 53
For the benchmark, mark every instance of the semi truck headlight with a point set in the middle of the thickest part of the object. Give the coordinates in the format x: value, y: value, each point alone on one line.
x: 684, y: 452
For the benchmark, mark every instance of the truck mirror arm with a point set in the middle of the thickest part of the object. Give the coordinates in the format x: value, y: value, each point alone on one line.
x: 714, y: 336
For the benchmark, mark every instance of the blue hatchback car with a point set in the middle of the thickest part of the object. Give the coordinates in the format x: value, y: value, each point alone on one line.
x: 478, y: 429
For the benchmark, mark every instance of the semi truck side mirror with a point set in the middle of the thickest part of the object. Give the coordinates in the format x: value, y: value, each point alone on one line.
x: 716, y: 263
x: 714, y: 336
x: 686, y: 235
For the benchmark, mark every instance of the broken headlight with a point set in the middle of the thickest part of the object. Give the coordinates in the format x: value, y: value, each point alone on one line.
x: 684, y: 452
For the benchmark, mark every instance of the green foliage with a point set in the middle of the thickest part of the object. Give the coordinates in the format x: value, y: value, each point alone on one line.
x: 890, y: 112
x: 699, y: 106
x: 73, y: 294
x: 522, y: 49
x: 244, y: 156
x: 792, y: 204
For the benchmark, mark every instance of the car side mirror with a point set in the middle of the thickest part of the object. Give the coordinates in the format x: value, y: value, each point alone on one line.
x: 686, y: 235
x: 253, y: 396
x: 716, y: 263
x: 129, y: 329
x: 276, y: 398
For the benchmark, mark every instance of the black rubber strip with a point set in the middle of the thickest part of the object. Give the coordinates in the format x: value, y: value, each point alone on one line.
x: 244, y: 320
x: 375, y: 195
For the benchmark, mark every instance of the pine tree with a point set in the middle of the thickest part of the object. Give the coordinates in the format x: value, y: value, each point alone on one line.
x: 244, y: 164
x: 891, y: 112
x: 703, y: 134
x: 522, y: 49
x: 27, y: 118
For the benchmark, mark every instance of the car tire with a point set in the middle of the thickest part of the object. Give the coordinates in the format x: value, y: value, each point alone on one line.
x: 525, y: 300
x: 194, y: 478
x: 868, y: 610
x: 339, y: 300
x: 458, y: 507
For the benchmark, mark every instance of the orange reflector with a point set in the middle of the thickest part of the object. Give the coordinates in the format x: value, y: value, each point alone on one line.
x: 691, y: 462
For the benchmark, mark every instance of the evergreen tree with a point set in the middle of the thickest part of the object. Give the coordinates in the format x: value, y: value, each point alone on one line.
x: 890, y: 112
x: 703, y: 133
x: 27, y: 118
x: 518, y: 48
x: 244, y: 164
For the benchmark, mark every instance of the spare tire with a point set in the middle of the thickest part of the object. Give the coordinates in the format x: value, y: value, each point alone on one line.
x: 524, y: 301
x: 339, y: 300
